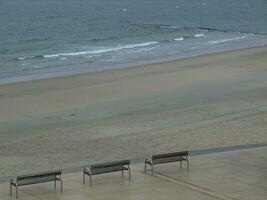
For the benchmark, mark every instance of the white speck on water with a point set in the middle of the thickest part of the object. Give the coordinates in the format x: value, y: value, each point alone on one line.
x: 203, y: 4
x: 124, y: 9
x: 177, y: 6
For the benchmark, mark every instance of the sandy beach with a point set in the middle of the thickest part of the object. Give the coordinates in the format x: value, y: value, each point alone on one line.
x: 208, y: 101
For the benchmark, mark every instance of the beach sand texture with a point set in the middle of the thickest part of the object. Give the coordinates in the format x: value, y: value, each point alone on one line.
x: 202, y: 102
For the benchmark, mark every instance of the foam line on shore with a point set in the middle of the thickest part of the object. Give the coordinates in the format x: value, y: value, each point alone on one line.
x: 230, y: 31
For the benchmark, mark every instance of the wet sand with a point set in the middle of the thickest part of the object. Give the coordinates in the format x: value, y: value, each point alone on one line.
x: 208, y: 101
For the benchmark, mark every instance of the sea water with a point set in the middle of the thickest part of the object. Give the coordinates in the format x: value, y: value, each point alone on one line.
x: 48, y: 38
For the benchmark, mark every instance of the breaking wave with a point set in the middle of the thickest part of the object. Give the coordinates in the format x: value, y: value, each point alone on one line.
x: 96, y: 51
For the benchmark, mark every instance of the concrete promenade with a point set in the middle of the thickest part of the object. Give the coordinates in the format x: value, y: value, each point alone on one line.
x: 229, y: 175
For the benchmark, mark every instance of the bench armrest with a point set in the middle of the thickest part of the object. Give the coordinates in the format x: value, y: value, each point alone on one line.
x: 127, y: 166
x: 87, y: 169
x: 149, y: 161
x: 59, y: 177
x: 14, y: 181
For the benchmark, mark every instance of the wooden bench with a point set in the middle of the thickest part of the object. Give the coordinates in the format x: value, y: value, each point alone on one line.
x: 51, y: 176
x: 167, y: 158
x: 107, y: 168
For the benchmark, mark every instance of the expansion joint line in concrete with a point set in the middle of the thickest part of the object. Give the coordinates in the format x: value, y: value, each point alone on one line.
x: 193, y: 187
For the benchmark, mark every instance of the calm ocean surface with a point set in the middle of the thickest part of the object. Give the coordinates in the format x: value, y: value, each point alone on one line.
x: 46, y: 38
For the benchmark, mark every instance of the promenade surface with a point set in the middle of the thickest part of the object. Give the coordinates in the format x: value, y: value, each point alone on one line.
x: 228, y: 175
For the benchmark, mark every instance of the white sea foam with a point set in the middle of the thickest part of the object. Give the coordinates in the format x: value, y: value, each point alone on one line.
x: 101, y: 50
x: 146, y: 49
x: 226, y: 40
x: 29, y: 57
x: 23, y: 58
x: 200, y: 35
x: 179, y: 39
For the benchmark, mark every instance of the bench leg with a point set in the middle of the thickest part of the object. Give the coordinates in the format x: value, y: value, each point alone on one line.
x: 90, y: 180
x: 10, y: 189
x: 55, y: 185
x: 122, y: 173
x: 61, y: 185
x: 16, y: 192
x: 187, y: 164
x: 152, y: 169
x: 129, y: 171
x: 145, y: 167
x: 83, y: 178
x: 180, y: 164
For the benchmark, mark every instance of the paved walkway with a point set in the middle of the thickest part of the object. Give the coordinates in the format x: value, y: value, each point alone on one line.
x: 230, y: 175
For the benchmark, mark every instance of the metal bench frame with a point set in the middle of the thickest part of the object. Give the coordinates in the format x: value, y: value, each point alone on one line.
x: 107, y: 168
x: 167, y: 158
x: 30, y: 179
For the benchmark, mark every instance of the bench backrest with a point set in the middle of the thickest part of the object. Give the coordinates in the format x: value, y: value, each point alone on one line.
x: 110, y: 164
x: 168, y: 155
x: 40, y: 175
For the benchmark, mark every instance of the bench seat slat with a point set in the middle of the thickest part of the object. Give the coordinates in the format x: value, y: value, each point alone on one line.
x: 167, y: 155
x: 102, y: 170
x: 37, y: 180
x: 110, y: 164
x: 167, y: 160
x: 41, y: 174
